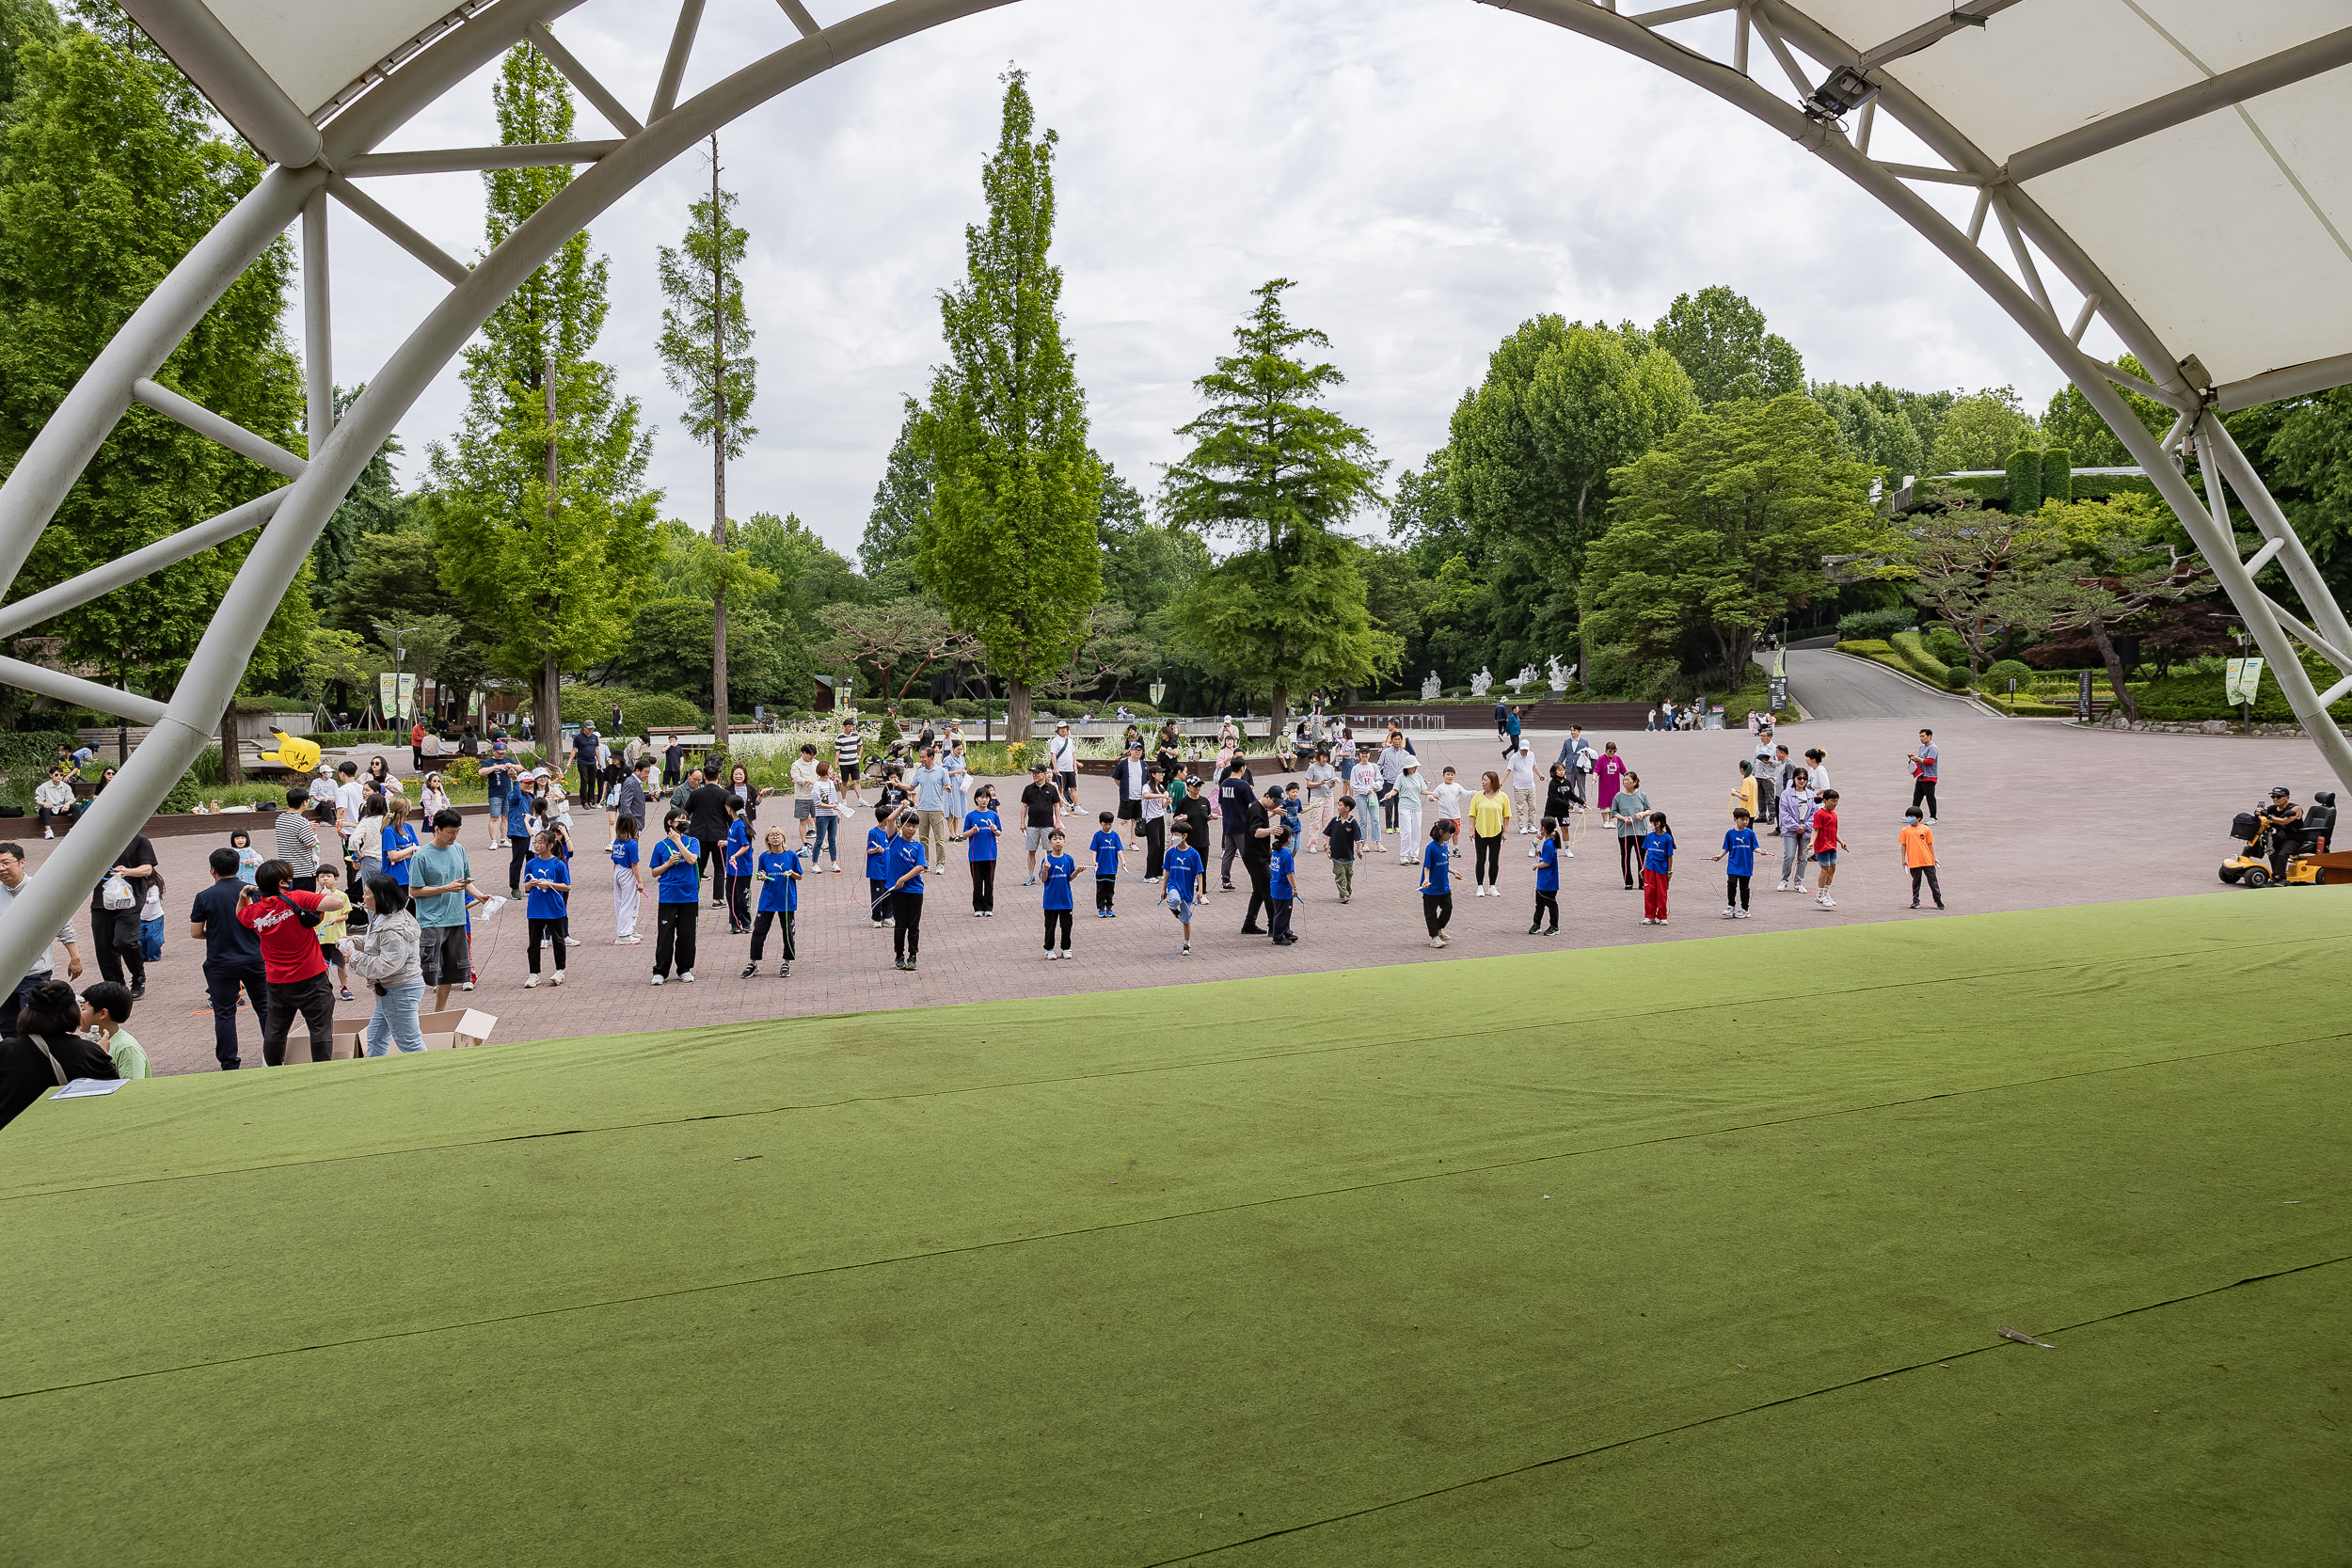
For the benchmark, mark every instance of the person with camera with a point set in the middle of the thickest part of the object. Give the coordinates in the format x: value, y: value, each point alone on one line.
x: 294, y: 969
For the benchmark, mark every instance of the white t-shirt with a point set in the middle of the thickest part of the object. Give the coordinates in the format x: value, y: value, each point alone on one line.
x: 349, y: 797
x: 1365, y: 781
x: 828, y: 797
x: 1522, y: 769
x: 1064, y: 752
x: 1450, y: 799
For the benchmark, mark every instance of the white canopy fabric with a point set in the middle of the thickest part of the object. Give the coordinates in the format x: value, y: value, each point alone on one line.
x: 2216, y: 227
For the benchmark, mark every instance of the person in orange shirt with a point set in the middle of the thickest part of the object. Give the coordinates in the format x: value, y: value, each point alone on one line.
x: 1919, y: 856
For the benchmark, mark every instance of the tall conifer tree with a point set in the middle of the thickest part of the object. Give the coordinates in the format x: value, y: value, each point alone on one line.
x: 705, y: 331
x: 539, y: 515
x: 1008, y: 544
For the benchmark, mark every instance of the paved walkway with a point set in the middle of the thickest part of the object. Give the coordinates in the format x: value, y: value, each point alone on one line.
x: 2035, y: 814
x: 1831, y: 686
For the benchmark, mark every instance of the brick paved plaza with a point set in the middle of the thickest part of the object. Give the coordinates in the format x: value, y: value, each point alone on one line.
x: 2035, y: 815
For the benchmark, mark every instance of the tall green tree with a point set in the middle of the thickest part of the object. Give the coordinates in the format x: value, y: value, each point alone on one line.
x: 1719, y: 337
x: 902, y: 502
x: 374, y: 504
x: 22, y: 22
x: 111, y: 167
x: 1561, y: 406
x: 539, y: 515
x: 1272, y: 466
x: 1009, y: 543
x: 2304, y: 449
x: 2070, y: 422
x: 705, y: 332
x: 1980, y: 431
x: 1720, y: 530
x: 1872, y: 430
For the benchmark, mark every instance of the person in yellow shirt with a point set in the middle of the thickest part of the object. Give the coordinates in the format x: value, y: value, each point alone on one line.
x: 1490, y: 813
x: 1743, y: 797
x: 1918, y: 841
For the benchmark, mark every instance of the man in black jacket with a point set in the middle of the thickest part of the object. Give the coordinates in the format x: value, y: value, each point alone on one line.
x: 1235, y: 794
x: 706, y: 820
x: 1257, y: 857
x: 115, y: 933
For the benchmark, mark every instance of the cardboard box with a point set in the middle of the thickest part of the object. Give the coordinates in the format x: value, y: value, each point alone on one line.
x: 441, y: 1031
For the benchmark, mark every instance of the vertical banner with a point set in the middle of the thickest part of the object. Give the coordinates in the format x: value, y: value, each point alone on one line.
x: 407, y: 695
x: 2241, y: 680
x: 386, y: 695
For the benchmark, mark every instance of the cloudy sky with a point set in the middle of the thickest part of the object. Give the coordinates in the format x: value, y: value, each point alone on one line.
x: 1431, y: 172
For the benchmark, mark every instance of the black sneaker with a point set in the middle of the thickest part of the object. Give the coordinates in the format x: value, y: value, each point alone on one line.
x: 750, y: 969
x: 139, y: 990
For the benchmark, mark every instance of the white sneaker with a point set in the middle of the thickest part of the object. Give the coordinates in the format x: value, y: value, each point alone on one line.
x: 468, y: 986
x: 656, y: 979
x: 1743, y: 914
x: 687, y: 979
x: 1565, y: 851
x: 49, y: 832
x: 1065, y: 952
x: 571, y: 942
x: 1730, y: 913
x: 1780, y: 886
x: 530, y: 982
x: 1827, y: 902
x: 1049, y: 955
x: 559, y: 977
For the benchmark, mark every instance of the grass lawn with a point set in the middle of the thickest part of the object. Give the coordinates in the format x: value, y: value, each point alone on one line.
x: 1688, y: 1253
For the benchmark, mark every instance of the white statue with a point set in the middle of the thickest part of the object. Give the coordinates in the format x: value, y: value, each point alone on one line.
x: 1482, y: 682
x: 1558, y: 676
x: 1525, y: 678
x: 1432, y: 688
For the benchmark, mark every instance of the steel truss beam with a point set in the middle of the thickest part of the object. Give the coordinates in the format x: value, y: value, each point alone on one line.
x: 396, y: 90
x: 468, y: 160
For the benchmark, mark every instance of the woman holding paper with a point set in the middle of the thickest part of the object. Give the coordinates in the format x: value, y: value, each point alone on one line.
x: 45, y: 1053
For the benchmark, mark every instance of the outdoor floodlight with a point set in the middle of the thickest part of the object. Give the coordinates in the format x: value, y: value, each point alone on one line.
x: 1846, y: 91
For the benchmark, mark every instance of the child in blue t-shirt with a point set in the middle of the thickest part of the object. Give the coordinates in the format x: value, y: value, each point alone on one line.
x: 629, y: 883
x: 1546, y: 879
x: 680, y: 891
x: 738, y: 868
x: 1436, y: 881
x: 400, y: 843
x: 248, y: 858
x: 982, y: 827
x: 1740, y: 848
x: 1282, y: 888
x: 1056, y: 873
x: 878, y: 866
x: 517, y: 838
x: 1657, y: 869
x: 904, y: 867
x: 1184, y: 869
x: 778, y: 873
x: 1293, y: 811
x: 547, y: 882
x: 1107, y: 848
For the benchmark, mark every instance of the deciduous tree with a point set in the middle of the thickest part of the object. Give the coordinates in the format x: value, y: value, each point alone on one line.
x: 1719, y: 337
x: 1722, y: 529
x: 1009, y: 543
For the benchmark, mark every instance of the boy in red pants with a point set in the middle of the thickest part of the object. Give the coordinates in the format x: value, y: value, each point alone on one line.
x: 1657, y: 869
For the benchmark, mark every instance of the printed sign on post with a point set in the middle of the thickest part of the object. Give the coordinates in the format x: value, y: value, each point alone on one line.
x: 387, y: 694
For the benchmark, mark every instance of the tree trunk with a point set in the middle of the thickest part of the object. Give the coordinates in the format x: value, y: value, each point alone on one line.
x: 2108, y: 656
x: 1278, y: 706
x: 1017, y: 709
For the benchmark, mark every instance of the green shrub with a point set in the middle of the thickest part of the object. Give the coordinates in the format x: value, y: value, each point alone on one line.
x: 1029, y: 756
x: 1913, y: 650
x: 1946, y: 645
x: 1869, y: 647
x: 1864, y: 625
x: 2004, y: 671
x: 890, y: 735
x: 2024, y: 481
x: 32, y: 748
x: 1957, y: 678
x: 2058, y: 475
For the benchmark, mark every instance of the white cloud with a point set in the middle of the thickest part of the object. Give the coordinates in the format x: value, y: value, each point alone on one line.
x: 1432, y: 172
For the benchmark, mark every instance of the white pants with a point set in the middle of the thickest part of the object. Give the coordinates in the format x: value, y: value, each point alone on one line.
x: 623, y: 901
x: 1407, y: 833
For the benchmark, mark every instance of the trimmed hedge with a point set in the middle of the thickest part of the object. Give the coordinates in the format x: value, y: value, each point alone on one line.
x: 1913, y: 650
x: 1867, y: 625
x: 2024, y: 481
x: 2058, y: 475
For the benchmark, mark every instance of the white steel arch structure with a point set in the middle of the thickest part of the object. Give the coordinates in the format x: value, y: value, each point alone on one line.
x: 2179, y: 165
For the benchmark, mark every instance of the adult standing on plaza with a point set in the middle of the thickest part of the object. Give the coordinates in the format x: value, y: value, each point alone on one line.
x: 233, y: 955
x: 114, y: 919
x: 497, y: 777
x: 292, y: 964
x: 584, y: 759
x: 1576, y: 752
x: 1041, y: 816
x: 1512, y: 725
x: 803, y: 793
x: 439, y: 879
x: 1923, y: 773
x: 11, y: 883
x: 673, y: 763
x: 1490, y: 813
x: 1393, y: 758
x: 1235, y: 793
x: 930, y: 782
x: 630, y: 800
x: 1131, y: 786
x: 1767, y: 780
x: 1630, y: 811
x: 1520, y: 766
x: 387, y: 956
x: 299, y: 840
x: 1257, y: 859
x: 706, y: 824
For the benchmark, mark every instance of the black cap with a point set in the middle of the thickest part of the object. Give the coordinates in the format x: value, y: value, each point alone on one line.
x: 2280, y: 790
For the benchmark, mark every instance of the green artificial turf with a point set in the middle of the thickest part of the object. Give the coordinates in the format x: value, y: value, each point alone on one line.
x: 1594, y: 1256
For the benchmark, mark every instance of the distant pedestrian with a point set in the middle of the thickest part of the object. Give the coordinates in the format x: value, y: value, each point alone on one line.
x: 1918, y: 842
x: 1057, y: 871
x: 1546, y: 879
x: 1657, y: 869
x: 1825, y: 845
x: 1923, y: 775
x: 677, y: 882
x: 1630, y: 809
x: 1437, y: 882
x: 1738, y: 849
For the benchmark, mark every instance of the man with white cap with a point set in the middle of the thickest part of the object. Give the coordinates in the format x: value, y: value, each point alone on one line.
x: 1063, y: 752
